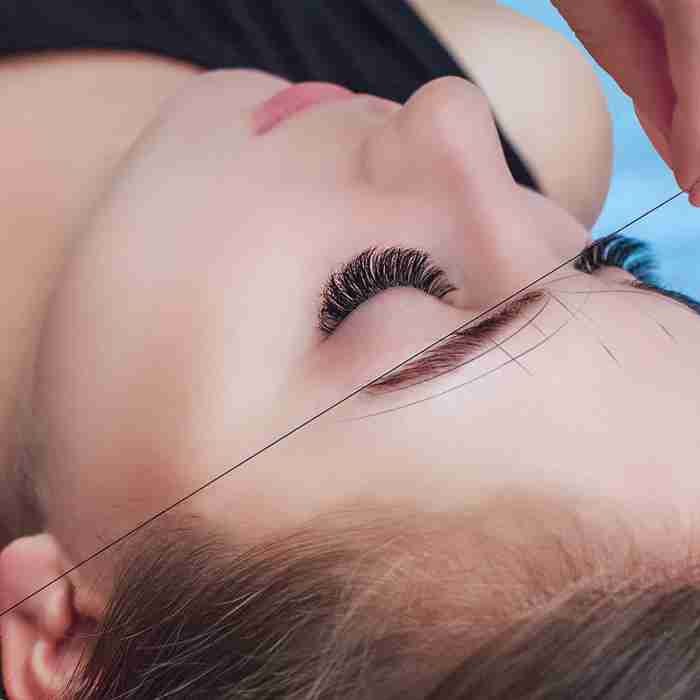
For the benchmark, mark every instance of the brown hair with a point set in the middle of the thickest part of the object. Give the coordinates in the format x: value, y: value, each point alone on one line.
x: 388, y: 604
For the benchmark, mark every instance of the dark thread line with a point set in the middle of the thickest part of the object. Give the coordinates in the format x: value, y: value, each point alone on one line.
x: 667, y: 332
x: 326, y: 410
x: 481, y: 354
x: 579, y: 311
x: 660, y: 297
x: 513, y: 358
x: 531, y: 322
x: 463, y: 384
x: 610, y: 352
x: 598, y: 338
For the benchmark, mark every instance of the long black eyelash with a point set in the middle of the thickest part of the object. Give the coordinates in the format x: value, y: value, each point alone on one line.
x: 373, y: 271
x: 630, y: 254
x: 636, y: 257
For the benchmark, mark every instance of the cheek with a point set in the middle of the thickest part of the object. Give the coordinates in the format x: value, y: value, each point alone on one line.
x: 212, y: 107
x: 565, y: 235
x: 213, y: 99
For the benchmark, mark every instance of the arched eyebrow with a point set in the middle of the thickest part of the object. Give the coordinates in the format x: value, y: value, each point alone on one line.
x: 450, y: 354
x: 692, y: 303
x: 458, y: 347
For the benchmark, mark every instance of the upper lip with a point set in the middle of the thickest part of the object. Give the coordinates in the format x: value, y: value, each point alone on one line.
x: 293, y: 99
x: 382, y: 103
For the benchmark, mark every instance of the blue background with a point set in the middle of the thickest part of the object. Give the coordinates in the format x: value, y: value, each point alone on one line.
x: 640, y: 180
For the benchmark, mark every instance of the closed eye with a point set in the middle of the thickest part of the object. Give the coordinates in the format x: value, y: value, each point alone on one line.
x: 372, y: 272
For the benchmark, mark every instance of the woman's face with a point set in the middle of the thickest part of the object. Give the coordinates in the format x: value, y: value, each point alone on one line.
x: 184, y: 334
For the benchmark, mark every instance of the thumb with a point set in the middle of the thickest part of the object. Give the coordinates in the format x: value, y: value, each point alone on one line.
x: 627, y: 40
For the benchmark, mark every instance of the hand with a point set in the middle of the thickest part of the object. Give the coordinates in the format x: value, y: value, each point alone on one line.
x: 652, y: 50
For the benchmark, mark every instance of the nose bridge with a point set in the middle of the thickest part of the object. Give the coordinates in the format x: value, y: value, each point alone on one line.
x: 443, y: 139
x: 443, y: 145
x: 510, y: 245
x: 499, y: 256
x: 448, y: 123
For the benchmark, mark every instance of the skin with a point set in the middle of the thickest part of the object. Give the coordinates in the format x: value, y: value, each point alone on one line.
x: 206, y: 314
x: 651, y: 49
x: 182, y: 334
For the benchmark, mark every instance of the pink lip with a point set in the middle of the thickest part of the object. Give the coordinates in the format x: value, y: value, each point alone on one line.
x: 293, y: 99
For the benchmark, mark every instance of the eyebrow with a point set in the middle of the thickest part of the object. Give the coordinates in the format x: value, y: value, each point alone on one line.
x: 692, y: 303
x: 447, y: 356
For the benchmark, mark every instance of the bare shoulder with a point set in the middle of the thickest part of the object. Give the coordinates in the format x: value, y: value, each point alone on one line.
x: 544, y: 91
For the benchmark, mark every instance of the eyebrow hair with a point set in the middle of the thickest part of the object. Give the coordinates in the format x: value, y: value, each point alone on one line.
x: 449, y: 355
x: 685, y: 299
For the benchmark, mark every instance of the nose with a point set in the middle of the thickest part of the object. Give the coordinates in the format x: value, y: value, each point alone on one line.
x: 444, y: 145
x: 444, y: 136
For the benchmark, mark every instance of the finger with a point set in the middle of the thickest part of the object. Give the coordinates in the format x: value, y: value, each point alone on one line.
x: 627, y: 39
x: 682, y: 28
x: 660, y: 142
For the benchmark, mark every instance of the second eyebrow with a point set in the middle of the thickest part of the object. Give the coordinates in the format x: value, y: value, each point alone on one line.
x: 448, y: 354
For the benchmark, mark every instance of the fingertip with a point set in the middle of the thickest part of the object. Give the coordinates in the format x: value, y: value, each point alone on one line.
x: 694, y: 196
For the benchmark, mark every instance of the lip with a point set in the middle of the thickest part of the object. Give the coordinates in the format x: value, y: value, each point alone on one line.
x: 296, y: 98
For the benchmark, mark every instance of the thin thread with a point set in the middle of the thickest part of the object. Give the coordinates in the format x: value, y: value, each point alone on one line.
x: 326, y: 410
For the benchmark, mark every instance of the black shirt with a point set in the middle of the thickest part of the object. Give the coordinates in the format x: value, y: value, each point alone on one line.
x: 380, y: 47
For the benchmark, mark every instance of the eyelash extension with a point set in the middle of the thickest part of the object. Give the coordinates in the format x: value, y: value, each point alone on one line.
x: 630, y: 254
x: 634, y: 256
x: 372, y: 272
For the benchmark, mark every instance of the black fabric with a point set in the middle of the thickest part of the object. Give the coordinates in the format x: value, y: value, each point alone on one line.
x: 377, y: 46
